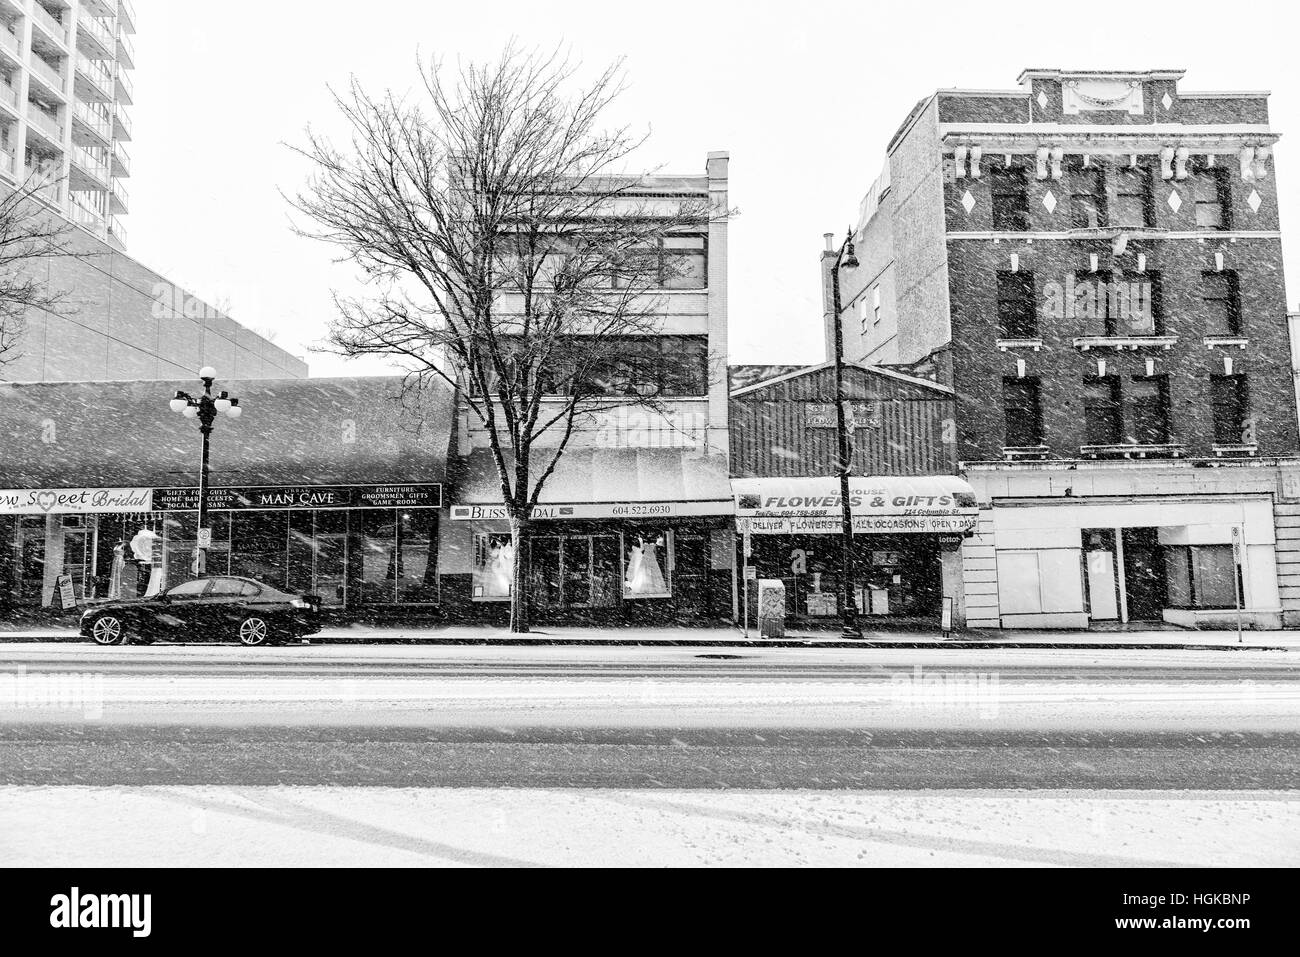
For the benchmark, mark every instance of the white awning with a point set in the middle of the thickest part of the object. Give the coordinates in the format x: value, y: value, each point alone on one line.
x: 938, y: 504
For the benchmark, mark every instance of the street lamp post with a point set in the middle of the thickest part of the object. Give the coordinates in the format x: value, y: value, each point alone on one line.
x: 849, y: 606
x: 205, y: 408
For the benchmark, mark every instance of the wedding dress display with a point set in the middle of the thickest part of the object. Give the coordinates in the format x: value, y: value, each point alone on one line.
x: 644, y: 574
x: 500, y: 571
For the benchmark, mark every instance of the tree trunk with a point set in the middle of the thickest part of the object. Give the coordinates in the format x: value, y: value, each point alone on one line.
x: 520, y: 529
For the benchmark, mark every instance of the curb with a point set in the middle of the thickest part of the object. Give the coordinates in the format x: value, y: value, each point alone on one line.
x: 973, y: 644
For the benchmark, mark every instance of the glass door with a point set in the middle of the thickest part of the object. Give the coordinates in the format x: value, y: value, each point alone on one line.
x: 544, y: 566
x: 329, y: 578
x: 575, y: 571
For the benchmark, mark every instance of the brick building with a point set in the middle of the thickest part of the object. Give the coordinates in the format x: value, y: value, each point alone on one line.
x: 1093, y: 262
x: 910, y: 510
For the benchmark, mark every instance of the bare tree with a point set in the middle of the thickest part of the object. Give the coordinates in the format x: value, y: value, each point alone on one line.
x: 509, y: 254
x: 31, y: 234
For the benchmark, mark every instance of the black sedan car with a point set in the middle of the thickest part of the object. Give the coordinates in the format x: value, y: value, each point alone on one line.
x: 221, y: 609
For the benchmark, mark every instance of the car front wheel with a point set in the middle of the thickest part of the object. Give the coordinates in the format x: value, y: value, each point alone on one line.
x: 108, y: 630
x: 254, y: 631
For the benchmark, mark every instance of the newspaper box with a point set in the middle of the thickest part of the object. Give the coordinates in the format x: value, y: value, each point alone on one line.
x: 771, y: 608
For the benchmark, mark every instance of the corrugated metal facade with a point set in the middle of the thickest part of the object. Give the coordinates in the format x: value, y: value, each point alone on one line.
x: 910, y: 432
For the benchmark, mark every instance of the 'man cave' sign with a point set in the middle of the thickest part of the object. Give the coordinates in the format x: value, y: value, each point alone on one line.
x: 270, y: 498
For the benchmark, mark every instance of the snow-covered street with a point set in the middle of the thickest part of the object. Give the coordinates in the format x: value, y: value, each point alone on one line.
x: 322, y: 826
x: 373, y: 755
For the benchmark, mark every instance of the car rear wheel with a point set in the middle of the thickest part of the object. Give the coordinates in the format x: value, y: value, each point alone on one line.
x: 108, y: 630
x: 254, y: 631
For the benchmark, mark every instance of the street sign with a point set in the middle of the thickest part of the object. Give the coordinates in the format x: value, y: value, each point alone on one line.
x: 205, y: 538
x: 749, y: 541
x: 751, y: 573
x: 67, y: 594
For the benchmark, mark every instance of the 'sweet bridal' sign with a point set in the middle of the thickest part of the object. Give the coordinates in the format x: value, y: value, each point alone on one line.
x: 55, y: 501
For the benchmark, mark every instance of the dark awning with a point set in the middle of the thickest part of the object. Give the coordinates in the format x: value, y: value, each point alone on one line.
x: 294, y: 432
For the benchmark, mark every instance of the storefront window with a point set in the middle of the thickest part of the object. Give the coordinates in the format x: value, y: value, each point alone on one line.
x: 1200, y: 576
x: 258, y: 546
x: 492, y: 576
x: 417, y: 557
x: 647, y: 564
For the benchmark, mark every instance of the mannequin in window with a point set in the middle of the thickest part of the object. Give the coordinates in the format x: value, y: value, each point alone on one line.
x: 644, y: 574
x: 500, y: 570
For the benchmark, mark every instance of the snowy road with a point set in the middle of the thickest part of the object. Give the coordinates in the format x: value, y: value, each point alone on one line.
x: 638, y: 717
x: 319, y: 826
x: 551, y: 756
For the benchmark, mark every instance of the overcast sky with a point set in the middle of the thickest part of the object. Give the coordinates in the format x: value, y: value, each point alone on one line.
x: 805, y: 97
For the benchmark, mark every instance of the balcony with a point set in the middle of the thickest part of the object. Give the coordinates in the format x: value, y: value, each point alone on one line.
x: 1121, y: 343
x: 11, y: 45
x: 84, y: 216
x: 96, y: 37
x: 49, y: 77
x: 10, y: 98
x: 96, y: 119
x: 121, y: 161
x: 1133, y: 450
x: 121, y: 125
x: 125, y: 88
x: 116, y: 233
x: 118, y: 198
x: 52, y: 27
x: 125, y: 50
x: 89, y: 171
x: 96, y: 80
x: 47, y: 126
x: 45, y: 184
x: 126, y: 15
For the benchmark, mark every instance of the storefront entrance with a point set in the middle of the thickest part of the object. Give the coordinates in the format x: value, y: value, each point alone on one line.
x: 573, y: 571
x: 897, y: 577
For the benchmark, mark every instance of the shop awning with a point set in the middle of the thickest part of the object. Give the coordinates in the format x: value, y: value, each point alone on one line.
x: 942, y: 504
x: 603, y: 483
x: 115, y: 437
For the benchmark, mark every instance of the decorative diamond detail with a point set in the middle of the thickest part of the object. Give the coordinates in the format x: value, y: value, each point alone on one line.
x: 1167, y: 100
x: 1042, y: 99
x: 1049, y: 200
x: 1254, y: 200
x: 968, y: 202
x: 1175, y: 201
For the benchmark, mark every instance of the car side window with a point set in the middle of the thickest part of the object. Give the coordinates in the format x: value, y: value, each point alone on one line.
x: 189, y: 589
x: 226, y: 587
x: 248, y: 589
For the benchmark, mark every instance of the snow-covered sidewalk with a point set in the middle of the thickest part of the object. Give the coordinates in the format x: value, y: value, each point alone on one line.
x: 715, y: 637
x: 334, y: 826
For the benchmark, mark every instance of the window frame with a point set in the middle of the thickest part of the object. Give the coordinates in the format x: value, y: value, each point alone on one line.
x: 1026, y: 309
x: 1133, y: 404
x: 1009, y: 193
x: 1241, y: 402
x: 1114, y: 404
x: 1079, y: 177
x: 1218, y: 177
x: 1032, y: 407
x: 1231, y: 300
